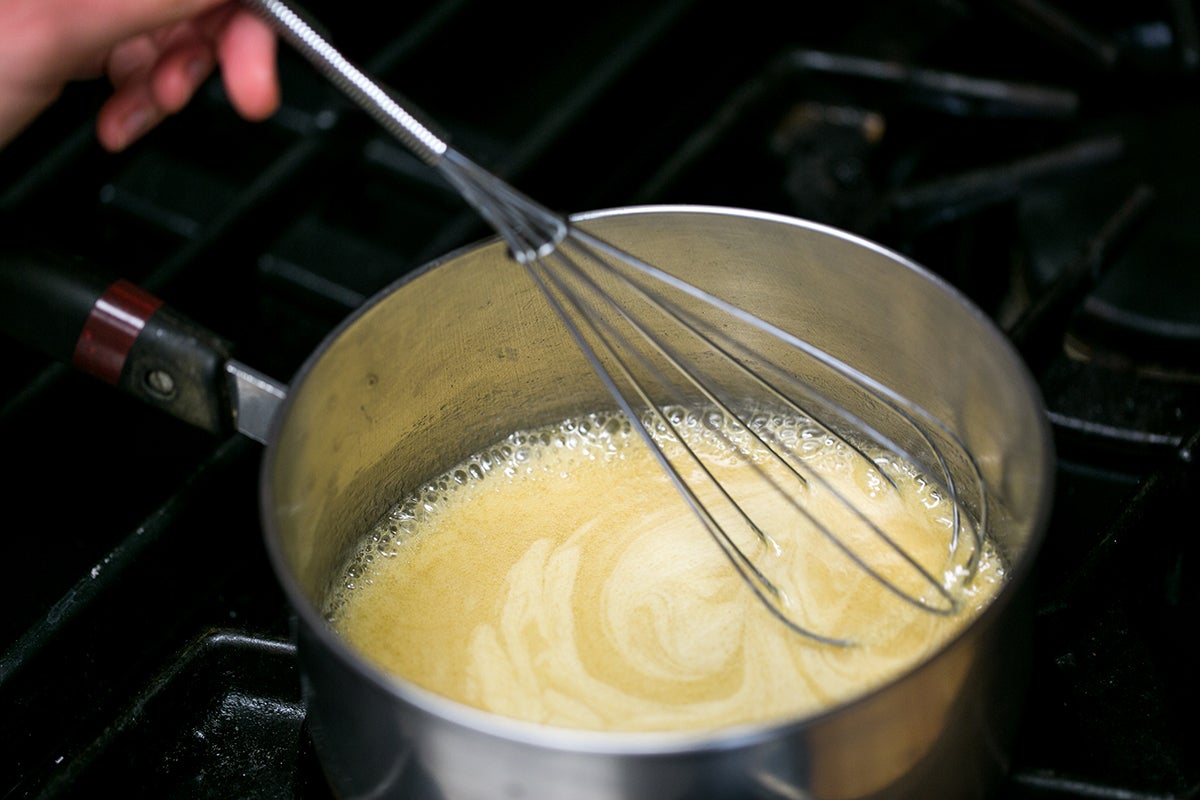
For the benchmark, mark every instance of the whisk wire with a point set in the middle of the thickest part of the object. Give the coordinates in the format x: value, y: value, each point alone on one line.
x: 768, y: 592
x: 552, y: 250
x: 530, y: 229
x: 615, y: 342
x: 907, y: 410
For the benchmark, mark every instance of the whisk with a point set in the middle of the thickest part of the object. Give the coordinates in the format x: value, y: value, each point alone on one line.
x: 632, y: 321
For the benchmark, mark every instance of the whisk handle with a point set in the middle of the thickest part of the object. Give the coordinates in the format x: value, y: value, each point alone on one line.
x: 373, y: 98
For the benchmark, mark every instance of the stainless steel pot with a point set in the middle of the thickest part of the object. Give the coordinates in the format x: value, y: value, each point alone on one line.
x: 465, y: 351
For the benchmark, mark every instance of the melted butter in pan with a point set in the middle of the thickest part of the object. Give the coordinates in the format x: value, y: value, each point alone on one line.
x: 560, y: 578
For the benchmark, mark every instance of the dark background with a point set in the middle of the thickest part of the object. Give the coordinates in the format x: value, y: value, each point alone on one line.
x: 1042, y: 157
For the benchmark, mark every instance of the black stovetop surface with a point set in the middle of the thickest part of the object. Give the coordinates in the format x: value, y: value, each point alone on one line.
x: 1028, y: 153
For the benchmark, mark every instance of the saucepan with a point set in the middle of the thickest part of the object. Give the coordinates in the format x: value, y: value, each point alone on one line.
x: 463, y: 351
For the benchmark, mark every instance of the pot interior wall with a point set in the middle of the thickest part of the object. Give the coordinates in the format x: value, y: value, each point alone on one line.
x: 469, y: 351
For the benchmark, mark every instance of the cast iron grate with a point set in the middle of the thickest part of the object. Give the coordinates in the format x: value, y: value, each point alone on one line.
x: 1036, y: 185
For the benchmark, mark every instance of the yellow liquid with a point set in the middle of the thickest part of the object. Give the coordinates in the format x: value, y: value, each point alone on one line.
x: 560, y: 578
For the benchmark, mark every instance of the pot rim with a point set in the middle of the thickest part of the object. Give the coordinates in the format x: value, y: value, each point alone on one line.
x: 639, y: 742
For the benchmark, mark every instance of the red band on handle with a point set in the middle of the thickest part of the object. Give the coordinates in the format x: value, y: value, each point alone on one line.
x: 111, y: 329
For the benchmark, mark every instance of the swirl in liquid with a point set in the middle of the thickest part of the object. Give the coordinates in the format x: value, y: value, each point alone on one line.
x: 560, y: 578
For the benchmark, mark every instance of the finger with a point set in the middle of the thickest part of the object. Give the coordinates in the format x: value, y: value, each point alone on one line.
x: 131, y: 60
x: 246, y: 51
x: 179, y: 73
x: 139, y: 54
x: 155, y: 75
x: 131, y: 110
x: 128, y: 115
x: 188, y: 52
x: 100, y: 25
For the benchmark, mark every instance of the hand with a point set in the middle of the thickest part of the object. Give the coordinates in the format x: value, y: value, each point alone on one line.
x: 156, y: 53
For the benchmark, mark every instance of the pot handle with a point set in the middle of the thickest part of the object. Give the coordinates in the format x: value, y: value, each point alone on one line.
x: 118, y: 332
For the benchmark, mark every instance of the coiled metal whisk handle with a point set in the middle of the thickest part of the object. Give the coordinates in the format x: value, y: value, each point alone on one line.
x: 531, y: 230
x: 378, y: 102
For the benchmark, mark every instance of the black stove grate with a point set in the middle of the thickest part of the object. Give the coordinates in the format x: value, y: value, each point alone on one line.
x: 146, y: 645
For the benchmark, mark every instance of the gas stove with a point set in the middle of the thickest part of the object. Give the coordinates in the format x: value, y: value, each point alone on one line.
x: 1039, y: 156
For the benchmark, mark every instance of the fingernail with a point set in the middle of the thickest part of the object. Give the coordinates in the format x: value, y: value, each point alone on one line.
x: 136, y: 123
x: 198, y: 69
